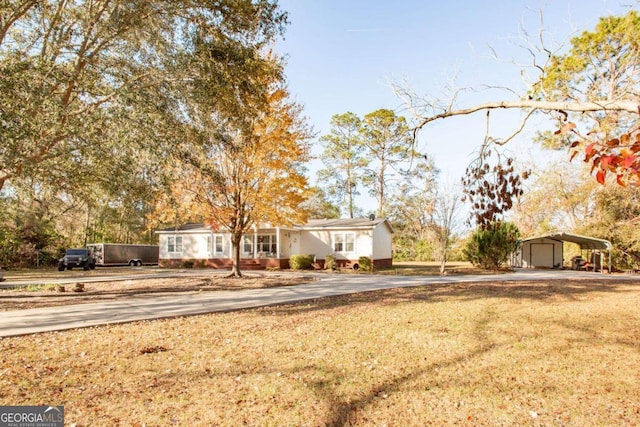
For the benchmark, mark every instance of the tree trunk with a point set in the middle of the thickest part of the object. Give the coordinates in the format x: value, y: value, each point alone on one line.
x: 381, y: 201
x: 236, y: 238
x: 381, y: 195
x: 350, y: 195
x: 443, y: 257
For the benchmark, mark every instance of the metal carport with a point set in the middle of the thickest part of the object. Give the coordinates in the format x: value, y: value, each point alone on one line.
x: 585, y: 242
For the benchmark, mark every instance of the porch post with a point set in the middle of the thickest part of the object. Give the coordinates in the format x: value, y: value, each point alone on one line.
x: 278, y: 242
x: 255, y: 244
x: 610, y: 267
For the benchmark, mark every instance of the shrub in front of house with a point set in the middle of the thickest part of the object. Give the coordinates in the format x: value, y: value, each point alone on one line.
x: 301, y: 262
x: 365, y: 264
x: 330, y: 262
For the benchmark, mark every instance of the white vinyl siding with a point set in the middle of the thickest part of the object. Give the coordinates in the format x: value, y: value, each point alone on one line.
x: 345, y: 243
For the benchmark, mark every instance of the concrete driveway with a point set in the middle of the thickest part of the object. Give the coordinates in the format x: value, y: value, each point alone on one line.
x: 22, y: 322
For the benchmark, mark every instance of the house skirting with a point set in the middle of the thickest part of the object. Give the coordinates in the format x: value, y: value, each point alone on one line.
x: 258, y: 263
x: 225, y: 263
x: 383, y: 263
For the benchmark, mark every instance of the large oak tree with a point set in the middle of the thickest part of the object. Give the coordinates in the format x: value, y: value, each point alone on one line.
x: 96, y: 94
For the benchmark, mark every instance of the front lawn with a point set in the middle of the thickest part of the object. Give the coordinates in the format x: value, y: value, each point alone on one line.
x: 558, y: 353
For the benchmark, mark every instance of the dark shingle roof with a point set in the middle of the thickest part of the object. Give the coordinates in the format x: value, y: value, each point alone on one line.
x: 187, y: 227
x: 343, y: 222
x: 311, y: 224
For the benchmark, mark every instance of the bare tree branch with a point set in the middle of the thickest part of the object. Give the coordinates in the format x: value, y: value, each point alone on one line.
x: 533, y: 105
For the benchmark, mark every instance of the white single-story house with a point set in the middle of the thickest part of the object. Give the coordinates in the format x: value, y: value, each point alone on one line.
x: 268, y: 246
x: 548, y: 251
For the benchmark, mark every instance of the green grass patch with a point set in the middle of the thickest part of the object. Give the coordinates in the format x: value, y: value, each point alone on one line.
x: 37, y: 287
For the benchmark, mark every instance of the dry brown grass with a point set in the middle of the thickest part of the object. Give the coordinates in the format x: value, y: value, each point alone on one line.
x: 430, y: 268
x: 558, y: 353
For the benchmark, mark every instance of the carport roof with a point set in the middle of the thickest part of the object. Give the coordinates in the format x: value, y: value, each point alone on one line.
x: 584, y: 242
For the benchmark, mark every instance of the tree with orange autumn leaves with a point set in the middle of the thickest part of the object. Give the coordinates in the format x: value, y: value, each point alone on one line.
x: 239, y: 177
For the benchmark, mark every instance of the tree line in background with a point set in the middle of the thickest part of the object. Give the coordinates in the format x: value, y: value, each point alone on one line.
x: 378, y: 154
x: 118, y: 118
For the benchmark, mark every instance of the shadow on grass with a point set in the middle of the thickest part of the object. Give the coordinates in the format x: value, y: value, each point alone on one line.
x: 346, y: 410
x: 324, y: 380
x: 409, y: 270
x: 422, y: 269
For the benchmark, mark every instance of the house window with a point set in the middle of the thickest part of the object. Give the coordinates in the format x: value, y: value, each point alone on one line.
x: 267, y: 243
x: 344, y: 242
x: 214, y: 244
x: 174, y: 244
x: 247, y: 244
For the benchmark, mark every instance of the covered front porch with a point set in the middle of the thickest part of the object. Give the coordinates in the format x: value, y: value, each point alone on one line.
x: 268, y: 243
x: 261, y: 248
x: 197, y: 245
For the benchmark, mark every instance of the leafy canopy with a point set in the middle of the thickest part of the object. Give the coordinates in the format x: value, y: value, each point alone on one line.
x: 96, y: 96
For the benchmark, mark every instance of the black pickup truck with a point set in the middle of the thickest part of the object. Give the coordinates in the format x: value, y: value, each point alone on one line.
x: 77, y: 258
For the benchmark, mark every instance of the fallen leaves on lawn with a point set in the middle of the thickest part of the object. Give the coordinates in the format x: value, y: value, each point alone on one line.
x: 153, y: 349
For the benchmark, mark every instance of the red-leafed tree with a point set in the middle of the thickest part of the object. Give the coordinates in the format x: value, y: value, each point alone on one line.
x: 618, y: 156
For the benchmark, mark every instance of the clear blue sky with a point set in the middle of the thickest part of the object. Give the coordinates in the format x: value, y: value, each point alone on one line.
x: 343, y: 55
